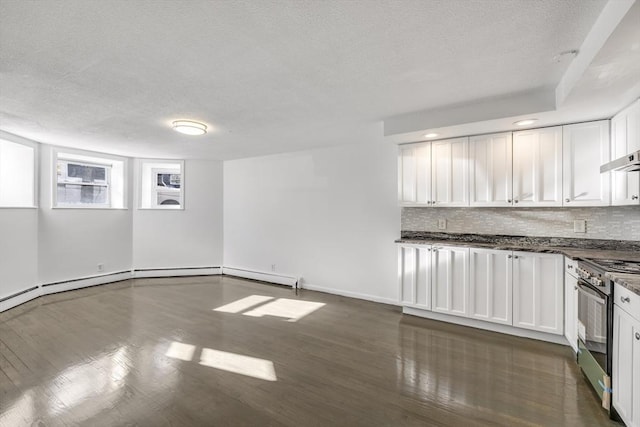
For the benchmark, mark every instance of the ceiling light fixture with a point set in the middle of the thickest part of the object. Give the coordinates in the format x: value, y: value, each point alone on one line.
x: 189, y: 127
x: 431, y: 135
x: 525, y: 122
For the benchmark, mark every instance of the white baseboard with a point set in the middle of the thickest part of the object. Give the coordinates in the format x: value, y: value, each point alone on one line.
x: 246, y: 273
x: 349, y: 294
x: 18, y: 298
x: 176, y: 272
x: 84, y: 282
x: 488, y: 326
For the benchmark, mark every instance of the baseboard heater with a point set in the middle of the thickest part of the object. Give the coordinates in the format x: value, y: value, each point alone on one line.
x: 278, y: 279
x: 175, y: 272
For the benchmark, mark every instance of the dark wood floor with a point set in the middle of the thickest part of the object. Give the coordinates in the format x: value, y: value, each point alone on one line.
x: 154, y: 352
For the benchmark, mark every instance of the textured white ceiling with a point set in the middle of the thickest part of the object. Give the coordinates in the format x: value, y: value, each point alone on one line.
x: 267, y: 76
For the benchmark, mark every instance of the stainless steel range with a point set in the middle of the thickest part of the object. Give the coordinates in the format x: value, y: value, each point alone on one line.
x: 595, y: 321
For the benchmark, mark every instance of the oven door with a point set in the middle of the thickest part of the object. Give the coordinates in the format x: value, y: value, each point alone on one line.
x: 592, y: 342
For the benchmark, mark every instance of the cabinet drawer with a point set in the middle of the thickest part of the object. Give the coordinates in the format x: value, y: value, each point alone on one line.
x: 627, y: 300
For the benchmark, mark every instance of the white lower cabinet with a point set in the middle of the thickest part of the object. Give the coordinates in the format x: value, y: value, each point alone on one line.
x: 414, y: 271
x: 450, y: 280
x: 626, y: 356
x: 520, y: 289
x: 490, y: 285
x: 538, y: 302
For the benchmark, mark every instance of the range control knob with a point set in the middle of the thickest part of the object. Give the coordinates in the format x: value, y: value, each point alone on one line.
x: 596, y: 281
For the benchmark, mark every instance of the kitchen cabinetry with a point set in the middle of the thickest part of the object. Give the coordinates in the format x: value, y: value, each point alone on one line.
x: 626, y: 355
x: 490, y: 285
x: 586, y: 147
x: 571, y: 303
x: 434, y: 173
x: 490, y: 170
x: 414, y: 271
x: 520, y: 289
x: 538, y: 292
x: 625, y: 139
x: 537, y: 167
x: 450, y: 280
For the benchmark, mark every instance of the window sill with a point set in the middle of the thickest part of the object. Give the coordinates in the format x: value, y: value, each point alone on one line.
x: 93, y: 208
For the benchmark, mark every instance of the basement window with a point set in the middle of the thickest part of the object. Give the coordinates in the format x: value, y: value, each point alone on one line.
x: 161, y: 184
x: 17, y: 174
x: 83, y: 181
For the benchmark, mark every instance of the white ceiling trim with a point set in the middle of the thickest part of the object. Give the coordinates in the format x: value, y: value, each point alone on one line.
x: 602, y: 29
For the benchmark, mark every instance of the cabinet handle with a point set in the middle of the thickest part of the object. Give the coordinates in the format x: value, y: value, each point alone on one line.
x: 433, y: 202
x: 508, y: 200
x: 638, y: 336
x: 570, y: 267
x: 575, y: 288
x: 515, y: 201
x: 509, y: 256
x: 515, y: 256
x: 567, y: 200
x: 634, y: 197
x: 625, y: 299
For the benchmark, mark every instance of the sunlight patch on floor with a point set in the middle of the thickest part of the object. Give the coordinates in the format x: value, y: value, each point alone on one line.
x: 291, y: 309
x: 178, y: 350
x: 260, y: 305
x: 243, y: 304
x: 239, y: 364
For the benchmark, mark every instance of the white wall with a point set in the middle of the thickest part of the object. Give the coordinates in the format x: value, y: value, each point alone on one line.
x: 329, y: 215
x: 18, y: 250
x: 73, y: 241
x: 184, y: 238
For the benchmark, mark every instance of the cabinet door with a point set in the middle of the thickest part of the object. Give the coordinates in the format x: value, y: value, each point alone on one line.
x: 538, y: 301
x: 449, y: 172
x: 490, y: 170
x: 414, y: 174
x: 625, y: 139
x: 626, y: 366
x: 450, y: 280
x: 585, y: 148
x: 571, y: 310
x: 414, y: 273
x: 537, y: 167
x: 490, y: 285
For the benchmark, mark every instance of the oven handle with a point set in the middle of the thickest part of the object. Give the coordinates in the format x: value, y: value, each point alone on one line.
x: 591, y: 293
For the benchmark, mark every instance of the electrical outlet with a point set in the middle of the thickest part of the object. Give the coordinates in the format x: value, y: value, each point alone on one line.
x: 273, y: 267
x: 100, y: 267
x: 580, y: 226
x: 442, y: 224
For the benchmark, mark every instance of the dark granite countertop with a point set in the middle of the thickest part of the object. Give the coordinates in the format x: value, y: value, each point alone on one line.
x: 572, y: 248
x: 629, y: 281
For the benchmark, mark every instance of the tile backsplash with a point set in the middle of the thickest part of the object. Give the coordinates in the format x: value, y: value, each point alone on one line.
x: 614, y: 222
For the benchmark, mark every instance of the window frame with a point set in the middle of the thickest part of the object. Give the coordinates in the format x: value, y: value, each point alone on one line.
x: 91, y: 158
x: 157, y: 166
x: 36, y: 168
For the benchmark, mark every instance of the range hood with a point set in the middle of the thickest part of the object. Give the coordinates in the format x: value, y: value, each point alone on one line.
x: 628, y: 163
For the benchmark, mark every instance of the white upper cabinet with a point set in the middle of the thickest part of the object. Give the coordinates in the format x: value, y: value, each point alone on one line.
x: 490, y: 285
x: 537, y: 167
x: 585, y: 148
x: 434, y: 173
x: 538, y: 292
x: 450, y: 280
x: 490, y: 170
x: 449, y: 172
x: 414, y: 174
x: 625, y: 139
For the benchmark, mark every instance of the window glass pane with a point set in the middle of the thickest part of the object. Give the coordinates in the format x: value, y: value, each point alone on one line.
x: 161, y: 185
x: 89, y: 181
x: 17, y: 171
